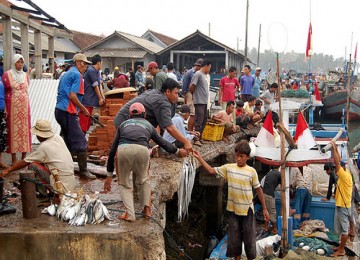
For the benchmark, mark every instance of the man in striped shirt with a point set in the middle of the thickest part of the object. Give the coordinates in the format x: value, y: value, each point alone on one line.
x: 242, y: 179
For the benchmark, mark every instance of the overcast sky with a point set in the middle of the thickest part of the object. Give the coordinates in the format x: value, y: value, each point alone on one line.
x: 284, y: 23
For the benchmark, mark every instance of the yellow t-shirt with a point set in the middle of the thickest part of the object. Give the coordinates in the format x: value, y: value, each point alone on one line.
x: 345, y: 186
x: 241, y: 182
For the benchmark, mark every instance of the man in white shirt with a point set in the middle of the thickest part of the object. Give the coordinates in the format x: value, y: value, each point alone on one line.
x: 51, y: 160
x: 170, y: 71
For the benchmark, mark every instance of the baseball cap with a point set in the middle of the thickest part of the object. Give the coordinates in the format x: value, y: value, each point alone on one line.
x: 151, y: 65
x: 42, y: 128
x: 136, y: 109
x: 116, y: 68
x: 81, y: 57
x: 184, y: 109
x: 258, y: 68
x: 342, y: 163
x: 198, y: 62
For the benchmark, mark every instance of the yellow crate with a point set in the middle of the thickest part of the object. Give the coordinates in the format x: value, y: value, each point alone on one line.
x: 213, y: 132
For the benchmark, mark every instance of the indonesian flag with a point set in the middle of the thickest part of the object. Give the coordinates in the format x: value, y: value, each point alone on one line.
x: 265, y: 137
x: 309, y: 47
x: 317, y: 92
x: 303, y: 136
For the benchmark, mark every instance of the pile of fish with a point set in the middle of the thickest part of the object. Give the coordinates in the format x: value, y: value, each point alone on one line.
x: 79, y: 212
x: 186, y: 184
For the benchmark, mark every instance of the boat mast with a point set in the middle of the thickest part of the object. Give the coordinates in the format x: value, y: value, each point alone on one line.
x: 348, y: 87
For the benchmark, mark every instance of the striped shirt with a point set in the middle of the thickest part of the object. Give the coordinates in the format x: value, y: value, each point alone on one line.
x: 241, y: 181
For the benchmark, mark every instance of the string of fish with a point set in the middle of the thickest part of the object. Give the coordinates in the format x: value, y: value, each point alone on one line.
x: 186, y: 184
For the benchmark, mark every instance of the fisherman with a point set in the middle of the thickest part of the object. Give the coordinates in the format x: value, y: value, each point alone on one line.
x: 246, y: 84
x: 343, y: 196
x: 241, y: 180
x: 226, y: 117
x: 199, y: 88
x: 242, y: 119
x: 228, y: 85
x: 187, y: 94
x: 50, y: 158
x: 303, y: 185
x: 159, y: 76
x: 68, y: 104
x: 329, y: 168
x: 93, y: 93
x: 131, y: 144
x: 257, y: 84
x: 272, y: 181
x: 139, y: 79
x: 269, y: 96
x: 178, y: 121
x: 157, y: 104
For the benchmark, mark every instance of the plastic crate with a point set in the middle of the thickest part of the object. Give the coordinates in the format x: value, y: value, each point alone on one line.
x: 213, y: 132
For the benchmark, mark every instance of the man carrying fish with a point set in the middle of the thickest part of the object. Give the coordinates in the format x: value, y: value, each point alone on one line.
x: 51, y: 158
x: 131, y: 144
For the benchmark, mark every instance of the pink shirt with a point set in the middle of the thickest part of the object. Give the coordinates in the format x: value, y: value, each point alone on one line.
x: 223, y: 117
x: 228, y: 88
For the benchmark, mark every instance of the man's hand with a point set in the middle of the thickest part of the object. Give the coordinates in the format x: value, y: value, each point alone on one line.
x: 188, y: 146
x: 3, y: 173
x: 196, y: 133
x: 196, y: 154
x: 101, y: 101
x: 107, y: 184
x: 85, y: 112
x: 182, y: 153
x: 266, y: 215
x: 324, y: 199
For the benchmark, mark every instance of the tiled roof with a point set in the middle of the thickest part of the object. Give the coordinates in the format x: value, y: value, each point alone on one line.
x: 125, y: 53
x: 167, y: 40
x: 82, y: 40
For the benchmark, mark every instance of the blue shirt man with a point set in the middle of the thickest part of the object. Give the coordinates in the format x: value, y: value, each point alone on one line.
x: 246, y: 83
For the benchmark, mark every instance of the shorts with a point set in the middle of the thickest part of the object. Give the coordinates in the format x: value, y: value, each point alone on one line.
x: 342, y: 220
x: 270, y: 205
x: 190, y: 102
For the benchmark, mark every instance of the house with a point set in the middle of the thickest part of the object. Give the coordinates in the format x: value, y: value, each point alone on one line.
x: 123, y: 50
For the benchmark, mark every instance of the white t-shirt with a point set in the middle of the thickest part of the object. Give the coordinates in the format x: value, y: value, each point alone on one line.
x: 54, y: 154
x: 172, y: 76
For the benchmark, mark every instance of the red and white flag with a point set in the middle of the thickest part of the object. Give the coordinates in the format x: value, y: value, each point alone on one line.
x: 355, y: 53
x: 309, y: 46
x: 265, y: 137
x: 303, y: 136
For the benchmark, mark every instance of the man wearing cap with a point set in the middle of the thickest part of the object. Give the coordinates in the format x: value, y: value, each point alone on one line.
x: 158, y: 106
x: 187, y: 94
x: 139, y: 79
x: 50, y: 158
x: 93, y: 94
x: 257, y: 84
x: 131, y: 145
x: 159, y: 76
x: 199, y: 88
x: 68, y: 104
x: 178, y: 121
x: 116, y: 72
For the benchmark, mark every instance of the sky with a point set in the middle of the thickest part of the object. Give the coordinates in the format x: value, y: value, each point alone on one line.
x: 284, y: 23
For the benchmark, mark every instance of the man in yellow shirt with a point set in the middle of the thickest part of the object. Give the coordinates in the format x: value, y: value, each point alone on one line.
x: 343, y: 202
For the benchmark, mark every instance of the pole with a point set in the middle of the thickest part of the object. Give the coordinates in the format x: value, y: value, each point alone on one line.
x: 258, y: 56
x: 28, y: 195
x: 209, y: 29
x: 284, y: 230
x: 348, y: 94
x: 246, y: 32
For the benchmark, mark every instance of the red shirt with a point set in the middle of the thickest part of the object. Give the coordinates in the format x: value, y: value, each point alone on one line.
x: 228, y: 88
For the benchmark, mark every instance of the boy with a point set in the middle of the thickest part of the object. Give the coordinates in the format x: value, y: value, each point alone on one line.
x: 242, y: 119
x: 241, y: 179
x: 226, y: 117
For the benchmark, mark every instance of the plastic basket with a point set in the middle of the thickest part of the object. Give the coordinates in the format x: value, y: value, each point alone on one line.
x: 213, y: 132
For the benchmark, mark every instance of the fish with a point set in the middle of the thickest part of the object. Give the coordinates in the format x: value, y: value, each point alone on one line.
x: 98, y: 212
x: 106, y: 212
x: 51, y: 210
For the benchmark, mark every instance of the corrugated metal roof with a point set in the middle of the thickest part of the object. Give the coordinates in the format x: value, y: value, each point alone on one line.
x: 60, y: 44
x: 124, y: 53
x: 42, y: 95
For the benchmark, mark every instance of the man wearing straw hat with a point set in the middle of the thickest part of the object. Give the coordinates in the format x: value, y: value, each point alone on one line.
x: 50, y: 158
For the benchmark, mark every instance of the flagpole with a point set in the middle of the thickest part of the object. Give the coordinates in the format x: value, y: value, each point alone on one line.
x: 348, y: 94
x: 284, y: 229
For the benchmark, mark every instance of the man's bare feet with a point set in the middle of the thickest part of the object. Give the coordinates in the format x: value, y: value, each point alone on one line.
x: 338, y: 253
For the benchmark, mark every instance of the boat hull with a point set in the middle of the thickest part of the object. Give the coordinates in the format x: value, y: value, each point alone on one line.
x: 335, y: 102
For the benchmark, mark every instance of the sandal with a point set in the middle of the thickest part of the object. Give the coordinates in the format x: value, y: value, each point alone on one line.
x: 125, y: 217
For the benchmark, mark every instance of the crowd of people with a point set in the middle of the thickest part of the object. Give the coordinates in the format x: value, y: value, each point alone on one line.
x: 80, y: 91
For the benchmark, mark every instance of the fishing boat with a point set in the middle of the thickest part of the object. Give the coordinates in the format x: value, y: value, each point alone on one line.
x: 336, y: 94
